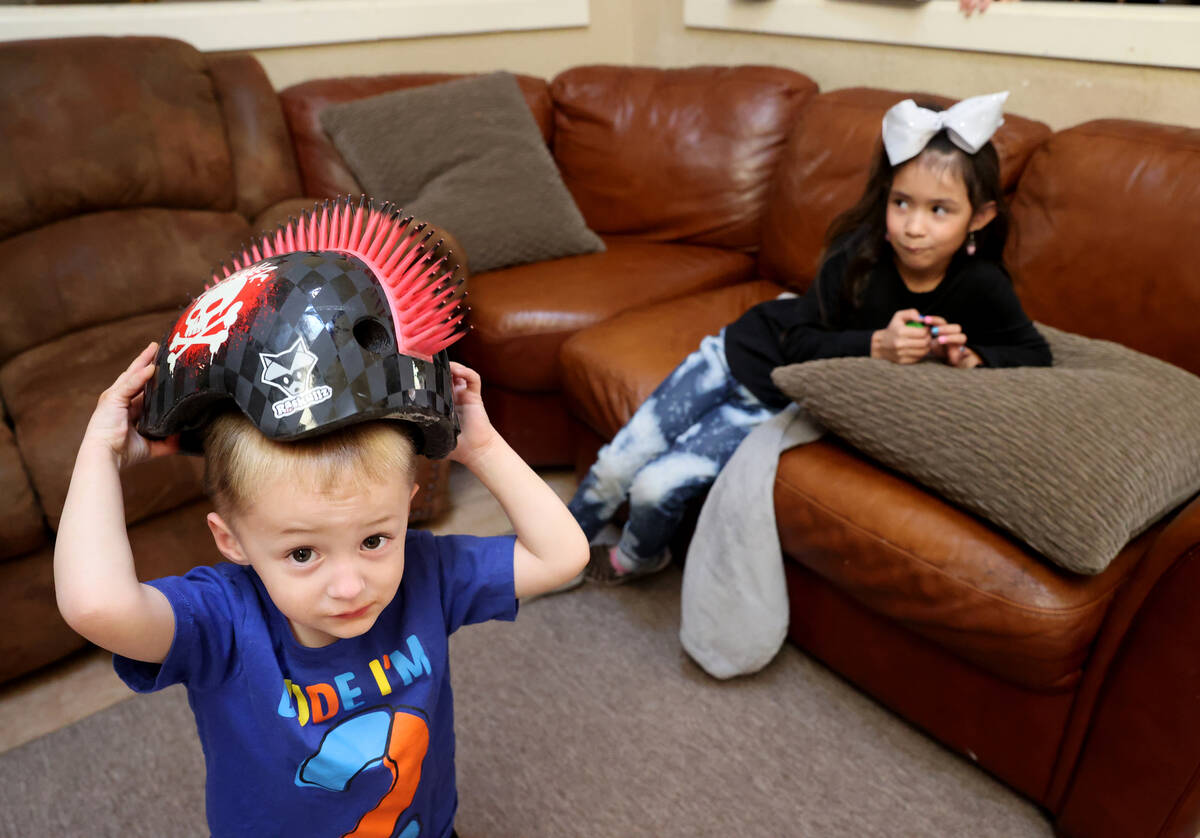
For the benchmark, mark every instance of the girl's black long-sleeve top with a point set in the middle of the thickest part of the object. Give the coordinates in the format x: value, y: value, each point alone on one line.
x: 976, y: 293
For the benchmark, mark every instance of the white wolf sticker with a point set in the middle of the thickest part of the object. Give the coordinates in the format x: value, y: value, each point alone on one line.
x: 290, y: 372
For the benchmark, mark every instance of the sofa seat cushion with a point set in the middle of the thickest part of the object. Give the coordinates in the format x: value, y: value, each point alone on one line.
x: 938, y: 571
x: 51, y: 391
x: 520, y: 316
x: 21, y: 524
x: 610, y: 368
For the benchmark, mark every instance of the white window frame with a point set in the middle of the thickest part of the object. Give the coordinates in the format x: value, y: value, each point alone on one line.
x: 1154, y: 35
x: 259, y: 24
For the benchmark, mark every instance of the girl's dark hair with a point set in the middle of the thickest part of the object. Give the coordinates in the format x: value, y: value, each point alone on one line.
x: 861, y: 229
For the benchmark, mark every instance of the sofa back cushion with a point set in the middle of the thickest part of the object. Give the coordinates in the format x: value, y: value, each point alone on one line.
x: 674, y: 155
x: 824, y: 170
x: 1107, y: 214
x: 94, y: 124
x: 105, y: 266
x: 123, y: 183
x: 323, y: 171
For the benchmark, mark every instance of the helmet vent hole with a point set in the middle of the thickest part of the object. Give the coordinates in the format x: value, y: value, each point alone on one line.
x: 373, y: 336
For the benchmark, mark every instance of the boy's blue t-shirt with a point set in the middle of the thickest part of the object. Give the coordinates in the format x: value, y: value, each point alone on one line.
x: 355, y: 738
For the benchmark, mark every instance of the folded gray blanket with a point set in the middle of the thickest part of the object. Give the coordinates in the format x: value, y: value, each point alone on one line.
x: 734, y: 598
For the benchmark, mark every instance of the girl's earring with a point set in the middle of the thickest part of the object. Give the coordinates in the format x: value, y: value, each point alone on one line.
x: 971, y: 243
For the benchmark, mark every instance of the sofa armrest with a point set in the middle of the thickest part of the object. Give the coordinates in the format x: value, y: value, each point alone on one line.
x: 264, y: 164
x: 1138, y: 770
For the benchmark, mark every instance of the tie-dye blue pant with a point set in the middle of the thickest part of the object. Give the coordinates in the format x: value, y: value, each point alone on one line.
x: 669, y: 452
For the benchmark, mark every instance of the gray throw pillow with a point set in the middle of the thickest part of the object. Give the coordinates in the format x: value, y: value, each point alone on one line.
x: 1074, y: 460
x: 467, y: 156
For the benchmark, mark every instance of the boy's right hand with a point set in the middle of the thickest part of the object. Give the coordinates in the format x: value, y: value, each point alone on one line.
x: 901, y: 343
x: 113, y: 425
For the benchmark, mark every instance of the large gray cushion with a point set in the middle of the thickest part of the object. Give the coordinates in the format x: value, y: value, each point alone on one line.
x: 1074, y: 459
x: 467, y: 156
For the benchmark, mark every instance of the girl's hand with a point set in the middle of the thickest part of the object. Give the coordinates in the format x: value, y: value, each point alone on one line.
x: 948, y: 343
x: 113, y: 425
x: 901, y: 343
x: 963, y: 358
x: 476, y: 433
x: 945, y: 339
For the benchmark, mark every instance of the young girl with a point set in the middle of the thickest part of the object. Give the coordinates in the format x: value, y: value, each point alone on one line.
x: 912, y: 271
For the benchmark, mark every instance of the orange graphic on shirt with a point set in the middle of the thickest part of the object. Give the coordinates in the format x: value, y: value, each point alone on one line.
x: 408, y: 740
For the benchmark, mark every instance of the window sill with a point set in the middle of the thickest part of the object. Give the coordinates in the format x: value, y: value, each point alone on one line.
x: 261, y: 24
x: 1164, y: 36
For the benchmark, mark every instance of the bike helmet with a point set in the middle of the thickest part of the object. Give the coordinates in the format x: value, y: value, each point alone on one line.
x: 339, y: 317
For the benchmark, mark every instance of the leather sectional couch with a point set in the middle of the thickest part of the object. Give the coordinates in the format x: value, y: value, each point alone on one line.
x: 712, y: 188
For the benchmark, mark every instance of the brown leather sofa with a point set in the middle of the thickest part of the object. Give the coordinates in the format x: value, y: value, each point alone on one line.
x: 712, y: 188
x: 1083, y: 693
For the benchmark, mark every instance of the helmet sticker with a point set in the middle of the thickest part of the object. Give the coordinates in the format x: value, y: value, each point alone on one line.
x: 208, y: 320
x: 291, y: 372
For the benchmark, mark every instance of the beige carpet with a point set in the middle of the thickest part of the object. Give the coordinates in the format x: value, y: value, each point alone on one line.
x: 584, y: 718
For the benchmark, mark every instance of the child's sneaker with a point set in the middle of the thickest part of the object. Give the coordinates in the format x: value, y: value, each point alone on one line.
x: 604, y: 568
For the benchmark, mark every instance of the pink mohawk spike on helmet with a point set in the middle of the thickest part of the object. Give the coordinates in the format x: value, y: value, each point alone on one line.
x: 340, y: 316
x: 415, y: 281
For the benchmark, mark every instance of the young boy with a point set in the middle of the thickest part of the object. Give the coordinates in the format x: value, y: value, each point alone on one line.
x: 316, y: 658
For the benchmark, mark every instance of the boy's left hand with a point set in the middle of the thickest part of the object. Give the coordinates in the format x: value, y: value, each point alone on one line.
x: 476, y: 433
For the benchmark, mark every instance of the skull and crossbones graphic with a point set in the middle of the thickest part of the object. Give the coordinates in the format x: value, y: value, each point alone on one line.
x: 214, y: 312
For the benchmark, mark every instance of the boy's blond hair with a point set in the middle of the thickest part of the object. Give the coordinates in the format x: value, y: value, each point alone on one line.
x: 238, y: 459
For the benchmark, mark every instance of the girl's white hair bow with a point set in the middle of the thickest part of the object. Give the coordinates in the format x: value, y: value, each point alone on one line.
x: 907, y: 127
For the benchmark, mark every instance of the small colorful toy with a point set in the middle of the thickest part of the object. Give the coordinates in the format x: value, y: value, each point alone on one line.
x: 339, y: 317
